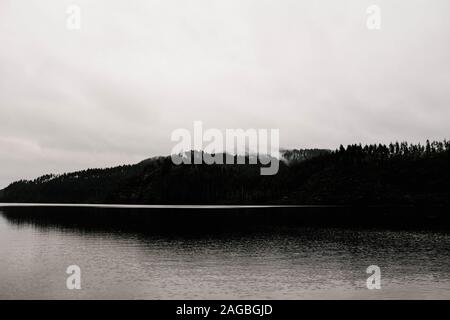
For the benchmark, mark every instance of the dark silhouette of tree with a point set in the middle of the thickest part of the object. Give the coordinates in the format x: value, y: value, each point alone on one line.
x: 375, y: 173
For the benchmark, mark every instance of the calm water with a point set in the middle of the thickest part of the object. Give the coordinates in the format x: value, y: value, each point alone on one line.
x: 286, y: 263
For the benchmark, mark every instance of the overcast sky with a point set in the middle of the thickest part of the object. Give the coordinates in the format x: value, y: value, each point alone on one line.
x: 112, y: 92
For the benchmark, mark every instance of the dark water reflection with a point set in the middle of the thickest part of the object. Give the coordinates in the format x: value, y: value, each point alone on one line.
x: 148, y: 259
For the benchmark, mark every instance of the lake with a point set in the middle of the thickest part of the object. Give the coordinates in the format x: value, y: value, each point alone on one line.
x: 190, y: 253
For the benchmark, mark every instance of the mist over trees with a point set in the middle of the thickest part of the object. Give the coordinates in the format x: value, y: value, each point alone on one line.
x: 398, y: 173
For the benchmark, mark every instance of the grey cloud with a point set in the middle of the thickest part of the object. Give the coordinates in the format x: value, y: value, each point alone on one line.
x: 113, y: 92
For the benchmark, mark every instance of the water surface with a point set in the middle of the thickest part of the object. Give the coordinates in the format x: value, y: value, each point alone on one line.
x: 269, y: 263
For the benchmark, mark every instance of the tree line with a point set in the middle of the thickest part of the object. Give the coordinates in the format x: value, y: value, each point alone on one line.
x: 397, y: 173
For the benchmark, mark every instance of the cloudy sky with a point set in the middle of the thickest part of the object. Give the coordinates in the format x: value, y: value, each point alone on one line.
x: 113, y: 91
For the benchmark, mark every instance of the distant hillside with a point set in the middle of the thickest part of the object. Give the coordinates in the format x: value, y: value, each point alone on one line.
x: 299, y: 155
x: 400, y: 173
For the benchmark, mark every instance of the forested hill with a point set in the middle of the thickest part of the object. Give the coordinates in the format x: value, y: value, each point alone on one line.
x: 399, y: 173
